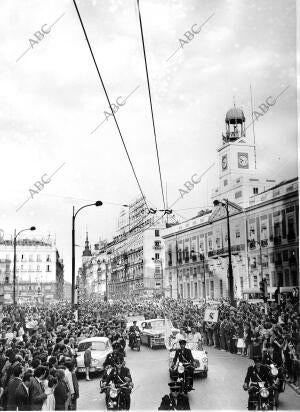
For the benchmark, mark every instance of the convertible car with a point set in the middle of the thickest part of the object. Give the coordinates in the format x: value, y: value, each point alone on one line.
x: 200, y: 356
x: 154, y: 331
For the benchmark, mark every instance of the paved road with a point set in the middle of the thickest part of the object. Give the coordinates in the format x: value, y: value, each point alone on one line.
x: 220, y: 390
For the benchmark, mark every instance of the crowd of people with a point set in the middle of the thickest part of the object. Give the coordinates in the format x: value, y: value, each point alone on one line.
x: 38, y: 344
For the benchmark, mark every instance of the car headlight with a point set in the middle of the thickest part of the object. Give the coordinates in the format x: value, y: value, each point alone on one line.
x: 113, y: 393
x: 204, y: 360
x: 96, y: 362
x: 264, y: 393
x: 180, y: 369
x: 274, y: 371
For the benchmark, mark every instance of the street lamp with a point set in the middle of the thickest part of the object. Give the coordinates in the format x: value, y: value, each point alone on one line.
x: 98, y: 203
x: 15, y: 260
x: 230, y: 271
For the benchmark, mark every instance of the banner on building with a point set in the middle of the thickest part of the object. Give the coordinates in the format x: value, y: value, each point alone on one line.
x: 211, y: 315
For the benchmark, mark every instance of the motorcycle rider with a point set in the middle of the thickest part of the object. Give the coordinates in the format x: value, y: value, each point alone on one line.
x: 184, y: 355
x: 112, y: 358
x: 133, y: 328
x: 256, y: 373
x: 176, y: 400
x: 120, y: 375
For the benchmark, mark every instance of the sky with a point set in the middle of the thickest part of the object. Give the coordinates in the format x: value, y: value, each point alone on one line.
x: 52, y: 101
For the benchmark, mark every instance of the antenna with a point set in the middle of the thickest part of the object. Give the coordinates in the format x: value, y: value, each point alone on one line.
x: 253, y: 126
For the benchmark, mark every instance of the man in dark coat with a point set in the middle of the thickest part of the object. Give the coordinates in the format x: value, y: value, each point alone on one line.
x: 256, y: 373
x: 13, y: 384
x: 184, y: 355
x: 60, y: 391
x: 36, y: 390
x: 22, y: 393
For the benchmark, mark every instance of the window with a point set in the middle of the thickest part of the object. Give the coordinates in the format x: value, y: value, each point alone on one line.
x: 238, y: 194
x: 291, y: 231
x: 156, y: 256
x: 285, y: 255
x: 100, y: 346
x: 237, y: 234
x: 195, y: 290
x: 221, y: 288
x: 225, y: 182
x: 30, y: 258
x: 255, y: 190
x: 38, y: 258
x: 209, y: 244
x: 255, y: 281
x: 218, y: 243
x: 242, y: 284
x: 47, y: 268
x: 156, y: 232
x: 48, y: 258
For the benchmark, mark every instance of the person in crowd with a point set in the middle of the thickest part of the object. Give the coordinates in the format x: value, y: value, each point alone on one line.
x: 88, y: 360
x: 36, y: 389
x: 22, y: 396
x: 60, y: 391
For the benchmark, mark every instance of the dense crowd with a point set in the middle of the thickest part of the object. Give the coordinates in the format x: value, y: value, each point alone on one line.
x: 38, y: 344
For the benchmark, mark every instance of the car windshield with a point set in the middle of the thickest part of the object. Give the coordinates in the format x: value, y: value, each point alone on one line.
x: 158, y: 324
x: 95, y: 346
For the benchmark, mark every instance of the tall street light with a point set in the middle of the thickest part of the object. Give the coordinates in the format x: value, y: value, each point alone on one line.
x: 15, y: 260
x: 98, y: 203
x: 230, y: 271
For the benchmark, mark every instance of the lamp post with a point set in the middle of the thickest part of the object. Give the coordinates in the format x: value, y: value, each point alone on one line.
x: 98, y: 203
x: 230, y: 271
x: 15, y: 260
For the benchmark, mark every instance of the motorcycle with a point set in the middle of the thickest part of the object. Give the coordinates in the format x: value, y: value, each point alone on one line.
x: 115, y: 397
x: 262, y: 396
x: 181, y: 376
x: 279, y: 382
x: 135, y: 341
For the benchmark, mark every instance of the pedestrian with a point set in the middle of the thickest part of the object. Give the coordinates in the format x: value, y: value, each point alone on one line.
x: 22, y: 393
x: 60, y: 391
x: 13, y: 384
x: 36, y: 390
x: 49, y: 404
x: 88, y: 360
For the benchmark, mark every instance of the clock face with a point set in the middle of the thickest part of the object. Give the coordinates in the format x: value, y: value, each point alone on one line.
x: 243, y: 160
x: 224, y: 162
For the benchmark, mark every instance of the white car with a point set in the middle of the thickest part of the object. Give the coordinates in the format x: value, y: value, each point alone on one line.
x: 154, y: 331
x: 200, y: 356
x: 100, y: 348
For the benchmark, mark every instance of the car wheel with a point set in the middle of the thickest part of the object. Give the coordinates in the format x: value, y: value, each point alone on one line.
x: 204, y: 374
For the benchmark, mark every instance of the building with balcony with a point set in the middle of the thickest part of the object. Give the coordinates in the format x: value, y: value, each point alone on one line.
x: 39, y: 270
x: 132, y: 263
x: 264, y: 229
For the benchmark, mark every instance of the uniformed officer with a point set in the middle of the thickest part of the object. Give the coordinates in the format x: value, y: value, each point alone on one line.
x: 121, y: 376
x: 256, y: 373
x: 112, y: 358
x: 184, y: 355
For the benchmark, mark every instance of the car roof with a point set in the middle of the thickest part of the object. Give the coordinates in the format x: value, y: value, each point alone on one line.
x: 103, y: 339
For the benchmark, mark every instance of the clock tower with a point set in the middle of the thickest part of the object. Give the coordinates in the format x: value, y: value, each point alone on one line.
x: 238, y: 177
